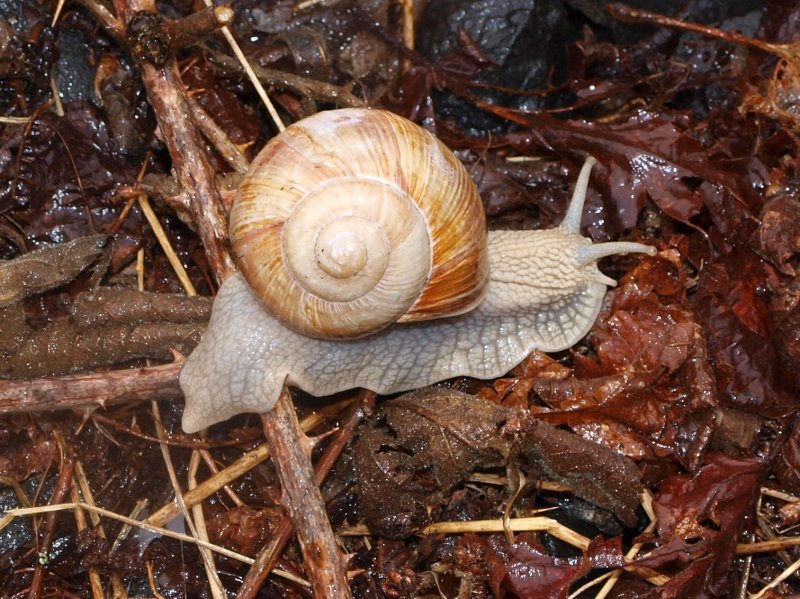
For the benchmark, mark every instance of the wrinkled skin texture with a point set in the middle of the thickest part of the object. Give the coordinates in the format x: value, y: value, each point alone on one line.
x: 544, y: 292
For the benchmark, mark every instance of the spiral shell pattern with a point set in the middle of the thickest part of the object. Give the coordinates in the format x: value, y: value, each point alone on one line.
x: 353, y: 219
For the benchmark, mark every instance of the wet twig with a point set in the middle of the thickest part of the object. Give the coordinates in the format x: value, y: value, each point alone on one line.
x: 60, y: 492
x: 284, y: 81
x: 167, y: 96
x: 268, y: 558
x: 324, y: 562
x: 91, y: 390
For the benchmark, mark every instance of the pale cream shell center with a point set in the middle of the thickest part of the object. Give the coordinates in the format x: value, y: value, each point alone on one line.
x: 352, y: 237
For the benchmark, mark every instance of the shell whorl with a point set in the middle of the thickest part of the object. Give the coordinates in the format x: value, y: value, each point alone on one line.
x: 353, y: 219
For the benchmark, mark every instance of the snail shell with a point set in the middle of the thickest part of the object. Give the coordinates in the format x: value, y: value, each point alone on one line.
x: 544, y: 288
x: 354, y: 219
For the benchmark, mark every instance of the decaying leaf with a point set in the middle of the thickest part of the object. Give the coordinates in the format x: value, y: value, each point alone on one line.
x: 732, y: 307
x: 47, y: 268
x: 418, y: 447
x: 699, y: 519
x: 649, y: 387
x: 119, y: 305
x: 105, y: 327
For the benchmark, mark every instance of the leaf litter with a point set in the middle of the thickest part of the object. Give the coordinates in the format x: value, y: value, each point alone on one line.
x: 684, y: 390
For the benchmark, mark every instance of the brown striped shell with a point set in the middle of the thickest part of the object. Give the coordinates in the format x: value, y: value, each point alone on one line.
x: 353, y: 219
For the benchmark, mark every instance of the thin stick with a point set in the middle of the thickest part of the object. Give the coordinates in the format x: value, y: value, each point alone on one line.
x: 57, y: 12
x: 237, y: 51
x: 57, y: 105
x: 201, y: 531
x: 775, y: 544
x: 302, y: 500
x: 118, y: 589
x: 534, y: 523
x: 12, y: 514
x: 208, y: 561
x: 268, y: 557
x: 282, y: 80
x: 95, y: 581
x: 140, y: 268
x: 214, y: 483
x: 408, y: 29
x: 779, y: 495
x: 62, y: 488
x: 229, y: 151
x: 14, y: 120
x: 779, y: 579
x: 91, y: 390
x: 627, y: 14
x: 214, y: 469
x: 165, y: 244
x: 110, y: 23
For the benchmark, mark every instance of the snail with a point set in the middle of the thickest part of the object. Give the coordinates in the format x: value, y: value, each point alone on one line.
x: 365, y: 261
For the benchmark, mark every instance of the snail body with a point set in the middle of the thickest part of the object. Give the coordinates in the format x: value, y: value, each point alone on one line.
x: 498, y: 297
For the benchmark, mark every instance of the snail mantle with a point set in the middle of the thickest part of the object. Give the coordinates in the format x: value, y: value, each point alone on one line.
x: 365, y: 262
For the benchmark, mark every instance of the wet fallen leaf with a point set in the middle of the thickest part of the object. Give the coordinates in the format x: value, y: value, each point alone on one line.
x: 420, y: 446
x: 46, y: 268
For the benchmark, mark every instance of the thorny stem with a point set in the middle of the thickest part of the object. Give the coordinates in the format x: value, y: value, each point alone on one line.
x: 325, y: 565
x: 90, y: 390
